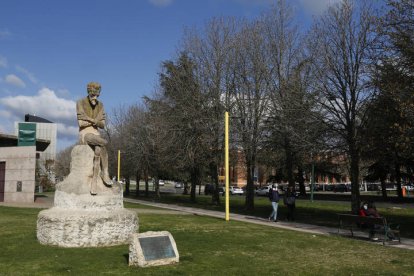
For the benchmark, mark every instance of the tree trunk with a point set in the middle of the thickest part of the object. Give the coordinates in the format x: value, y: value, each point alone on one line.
x: 289, y: 163
x: 137, y: 177
x: 215, y: 198
x: 398, y: 180
x: 146, y: 183
x: 301, y: 181
x: 355, y: 198
x: 185, y: 192
x: 249, y: 204
x: 195, y: 180
x: 127, y: 183
x: 383, y: 186
x: 157, y: 186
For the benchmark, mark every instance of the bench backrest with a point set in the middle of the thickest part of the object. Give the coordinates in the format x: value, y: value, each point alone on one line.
x: 351, y: 219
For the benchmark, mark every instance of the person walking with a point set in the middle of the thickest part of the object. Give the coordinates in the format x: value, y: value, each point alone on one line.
x: 290, y: 200
x: 274, y: 199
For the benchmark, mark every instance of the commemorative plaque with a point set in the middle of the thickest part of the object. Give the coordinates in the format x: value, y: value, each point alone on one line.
x: 152, y: 249
x: 157, y: 247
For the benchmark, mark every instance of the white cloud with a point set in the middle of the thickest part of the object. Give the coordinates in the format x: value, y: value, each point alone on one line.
x: 14, y: 80
x: 317, y: 7
x: 27, y: 73
x: 46, y: 105
x: 161, y: 3
x: 3, y: 62
x: 67, y: 131
x: 7, y: 122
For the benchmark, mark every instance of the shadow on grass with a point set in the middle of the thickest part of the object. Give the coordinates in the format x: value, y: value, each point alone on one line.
x: 126, y: 257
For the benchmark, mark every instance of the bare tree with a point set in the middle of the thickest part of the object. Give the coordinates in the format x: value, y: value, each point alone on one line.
x: 184, y: 115
x: 249, y: 97
x: 210, y: 49
x: 391, y: 112
x: 341, y: 42
x: 292, y: 126
x: 62, y: 163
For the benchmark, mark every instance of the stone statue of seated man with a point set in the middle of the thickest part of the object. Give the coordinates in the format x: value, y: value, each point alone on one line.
x: 91, y: 116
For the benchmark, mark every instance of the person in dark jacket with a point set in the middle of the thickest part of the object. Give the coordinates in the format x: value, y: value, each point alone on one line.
x: 290, y: 200
x: 274, y: 198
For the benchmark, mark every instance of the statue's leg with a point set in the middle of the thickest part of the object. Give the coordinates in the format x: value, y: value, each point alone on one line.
x: 104, y: 165
x: 101, y: 153
x: 96, y: 168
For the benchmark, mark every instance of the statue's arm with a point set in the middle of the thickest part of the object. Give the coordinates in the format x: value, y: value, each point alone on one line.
x: 100, y: 119
x: 83, y: 119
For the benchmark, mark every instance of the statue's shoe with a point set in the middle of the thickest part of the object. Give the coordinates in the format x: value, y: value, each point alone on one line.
x: 106, y: 179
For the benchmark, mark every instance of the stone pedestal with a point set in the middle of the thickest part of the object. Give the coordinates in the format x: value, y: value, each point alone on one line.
x: 79, y: 219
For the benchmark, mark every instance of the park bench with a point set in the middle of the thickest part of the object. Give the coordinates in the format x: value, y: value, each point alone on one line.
x: 375, y: 224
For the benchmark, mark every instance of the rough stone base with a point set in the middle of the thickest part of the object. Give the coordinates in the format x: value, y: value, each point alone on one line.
x: 155, y: 253
x: 90, y: 202
x: 86, y: 228
x: 79, y: 219
x: 81, y: 172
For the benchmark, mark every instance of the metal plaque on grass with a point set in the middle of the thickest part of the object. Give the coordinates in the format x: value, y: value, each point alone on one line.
x: 152, y: 249
x: 157, y: 247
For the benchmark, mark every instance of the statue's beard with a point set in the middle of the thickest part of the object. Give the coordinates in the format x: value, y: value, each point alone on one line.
x: 92, y: 101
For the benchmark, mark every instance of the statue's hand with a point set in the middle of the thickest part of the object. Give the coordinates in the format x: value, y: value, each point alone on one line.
x: 95, y: 122
x: 83, y: 123
x: 98, y: 122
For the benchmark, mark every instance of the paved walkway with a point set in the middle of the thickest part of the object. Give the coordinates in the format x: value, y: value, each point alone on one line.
x: 47, y: 202
x: 301, y: 227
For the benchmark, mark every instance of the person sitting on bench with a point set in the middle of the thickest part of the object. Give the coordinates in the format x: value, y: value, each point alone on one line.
x: 368, y: 209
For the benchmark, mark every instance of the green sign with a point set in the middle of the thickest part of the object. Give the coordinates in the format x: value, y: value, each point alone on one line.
x: 27, y: 134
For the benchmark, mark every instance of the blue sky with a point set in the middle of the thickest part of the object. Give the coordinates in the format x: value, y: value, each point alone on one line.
x: 50, y: 50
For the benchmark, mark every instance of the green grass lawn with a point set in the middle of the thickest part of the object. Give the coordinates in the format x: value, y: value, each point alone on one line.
x: 318, y: 212
x: 207, y: 246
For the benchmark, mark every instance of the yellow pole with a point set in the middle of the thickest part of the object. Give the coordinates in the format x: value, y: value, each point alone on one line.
x: 226, y: 161
x: 119, y: 164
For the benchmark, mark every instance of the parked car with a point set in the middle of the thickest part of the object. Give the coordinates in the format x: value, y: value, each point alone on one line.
x: 391, y: 187
x: 409, y: 187
x: 221, y: 191
x: 178, y: 185
x: 263, y: 191
x: 317, y: 187
x: 373, y: 186
x: 340, y: 188
x: 161, y: 182
x: 236, y: 190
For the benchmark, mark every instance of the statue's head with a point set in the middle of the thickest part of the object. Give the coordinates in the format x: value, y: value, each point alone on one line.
x: 94, y: 89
